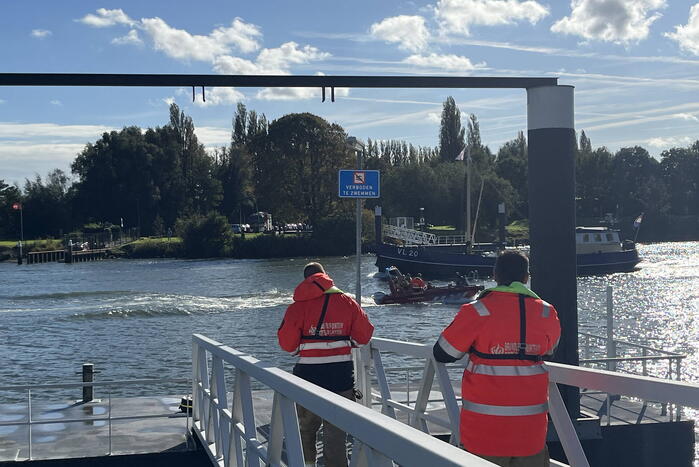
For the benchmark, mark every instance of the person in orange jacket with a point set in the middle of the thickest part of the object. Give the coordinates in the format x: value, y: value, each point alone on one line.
x: 506, y: 334
x: 321, y: 327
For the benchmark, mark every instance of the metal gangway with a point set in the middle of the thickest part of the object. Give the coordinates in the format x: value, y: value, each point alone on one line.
x: 230, y: 433
x: 409, y: 236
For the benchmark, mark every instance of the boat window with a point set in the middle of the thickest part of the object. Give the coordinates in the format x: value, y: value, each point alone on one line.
x: 598, y: 237
x: 610, y: 237
x: 586, y: 237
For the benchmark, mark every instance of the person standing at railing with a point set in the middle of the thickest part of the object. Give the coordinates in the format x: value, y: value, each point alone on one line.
x: 506, y: 334
x: 321, y: 327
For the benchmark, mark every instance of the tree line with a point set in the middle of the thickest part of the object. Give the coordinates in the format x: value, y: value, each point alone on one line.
x: 151, y: 178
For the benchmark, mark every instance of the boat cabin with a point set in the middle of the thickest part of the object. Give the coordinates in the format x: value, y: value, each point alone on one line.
x: 597, y: 240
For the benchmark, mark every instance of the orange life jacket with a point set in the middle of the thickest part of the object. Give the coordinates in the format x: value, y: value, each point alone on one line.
x: 504, y: 386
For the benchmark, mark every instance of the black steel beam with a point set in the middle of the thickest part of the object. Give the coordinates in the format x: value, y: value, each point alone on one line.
x: 284, y: 81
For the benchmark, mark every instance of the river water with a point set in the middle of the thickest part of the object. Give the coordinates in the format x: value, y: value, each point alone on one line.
x: 134, y: 318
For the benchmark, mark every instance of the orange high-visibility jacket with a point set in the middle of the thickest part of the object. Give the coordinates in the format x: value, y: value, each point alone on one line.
x: 504, y: 386
x: 323, y: 324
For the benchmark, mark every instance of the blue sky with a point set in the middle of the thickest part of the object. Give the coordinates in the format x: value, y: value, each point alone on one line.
x: 634, y: 64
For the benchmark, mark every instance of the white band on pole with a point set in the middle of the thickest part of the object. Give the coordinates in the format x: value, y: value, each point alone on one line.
x: 550, y: 107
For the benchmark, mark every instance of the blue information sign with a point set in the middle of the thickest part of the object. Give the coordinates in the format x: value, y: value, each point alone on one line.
x: 359, y: 184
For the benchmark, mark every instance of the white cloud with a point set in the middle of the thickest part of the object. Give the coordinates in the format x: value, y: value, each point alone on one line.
x: 434, y: 117
x: 181, y: 45
x: 228, y: 65
x: 129, y: 39
x: 24, y: 159
x: 289, y: 53
x: 41, y: 33
x: 169, y: 100
x: 618, y: 21
x: 276, y: 61
x: 456, y: 16
x: 409, y: 32
x: 219, y: 96
x: 687, y: 116
x: 687, y: 36
x: 56, y: 102
x: 288, y: 94
x: 668, y: 142
x: 11, y: 130
x: 213, y: 136
x: 444, y: 62
x: 105, y: 18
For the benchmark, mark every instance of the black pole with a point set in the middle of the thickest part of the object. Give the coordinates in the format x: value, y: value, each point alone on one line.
x: 378, y: 226
x: 552, y: 215
x: 502, y: 221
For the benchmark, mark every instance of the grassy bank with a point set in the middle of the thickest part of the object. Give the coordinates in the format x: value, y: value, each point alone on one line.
x: 9, y: 249
x: 157, y: 247
x: 252, y: 245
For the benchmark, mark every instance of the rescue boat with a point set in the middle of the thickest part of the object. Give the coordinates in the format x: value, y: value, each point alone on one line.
x: 403, y: 291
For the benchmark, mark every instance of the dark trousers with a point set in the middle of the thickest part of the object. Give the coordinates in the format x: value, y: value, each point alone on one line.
x: 540, y: 459
x: 334, y: 439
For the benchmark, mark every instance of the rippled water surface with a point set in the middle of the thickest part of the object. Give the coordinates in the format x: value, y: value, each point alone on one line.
x: 134, y: 318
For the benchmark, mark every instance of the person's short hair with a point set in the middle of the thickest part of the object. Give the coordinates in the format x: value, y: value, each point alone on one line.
x: 312, y: 268
x: 511, y: 266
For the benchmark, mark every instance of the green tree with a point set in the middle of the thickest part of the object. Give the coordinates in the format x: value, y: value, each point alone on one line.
x: 512, y: 165
x: 296, y: 165
x: 9, y: 218
x: 451, y: 133
x: 46, y: 205
x: 638, y: 185
x: 680, y: 171
x: 115, y: 179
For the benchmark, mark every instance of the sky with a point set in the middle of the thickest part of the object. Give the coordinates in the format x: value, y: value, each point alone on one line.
x: 634, y: 65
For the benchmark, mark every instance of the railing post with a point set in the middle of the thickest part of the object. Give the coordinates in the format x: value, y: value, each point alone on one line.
x: 29, y: 420
x: 449, y: 401
x: 611, y: 345
x: 109, y: 415
x: 565, y: 429
x: 383, y: 384
x: 423, y: 395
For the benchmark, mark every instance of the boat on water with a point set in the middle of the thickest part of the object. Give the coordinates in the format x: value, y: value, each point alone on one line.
x: 599, y: 251
x: 405, y: 289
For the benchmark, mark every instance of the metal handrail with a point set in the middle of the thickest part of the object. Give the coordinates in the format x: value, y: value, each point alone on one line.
x: 129, y: 382
x: 108, y: 418
x: 230, y: 436
x: 630, y: 344
x: 643, y: 387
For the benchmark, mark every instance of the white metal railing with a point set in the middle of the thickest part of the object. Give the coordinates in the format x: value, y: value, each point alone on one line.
x: 645, y: 388
x: 230, y: 434
x: 451, y: 239
x: 409, y: 236
x: 108, y: 417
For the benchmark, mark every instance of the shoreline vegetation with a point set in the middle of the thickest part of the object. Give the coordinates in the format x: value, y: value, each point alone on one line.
x: 163, y: 181
x: 215, y: 239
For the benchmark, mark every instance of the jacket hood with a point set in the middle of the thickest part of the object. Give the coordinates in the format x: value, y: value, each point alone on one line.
x: 313, y: 287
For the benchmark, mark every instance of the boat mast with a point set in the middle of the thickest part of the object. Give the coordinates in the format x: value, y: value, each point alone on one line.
x: 467, y: 233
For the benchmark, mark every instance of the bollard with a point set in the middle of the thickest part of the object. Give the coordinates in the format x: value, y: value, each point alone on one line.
x: 88, y: 377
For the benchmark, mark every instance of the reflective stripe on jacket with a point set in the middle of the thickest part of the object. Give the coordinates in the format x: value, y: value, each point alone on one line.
x: 323, y: 324
x: 504, y: 386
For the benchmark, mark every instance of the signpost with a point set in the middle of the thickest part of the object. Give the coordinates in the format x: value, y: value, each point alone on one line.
x: 360, y: 184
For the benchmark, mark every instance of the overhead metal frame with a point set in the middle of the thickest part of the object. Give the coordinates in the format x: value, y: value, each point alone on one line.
x: 285, y: 81
x: 551, y: 149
